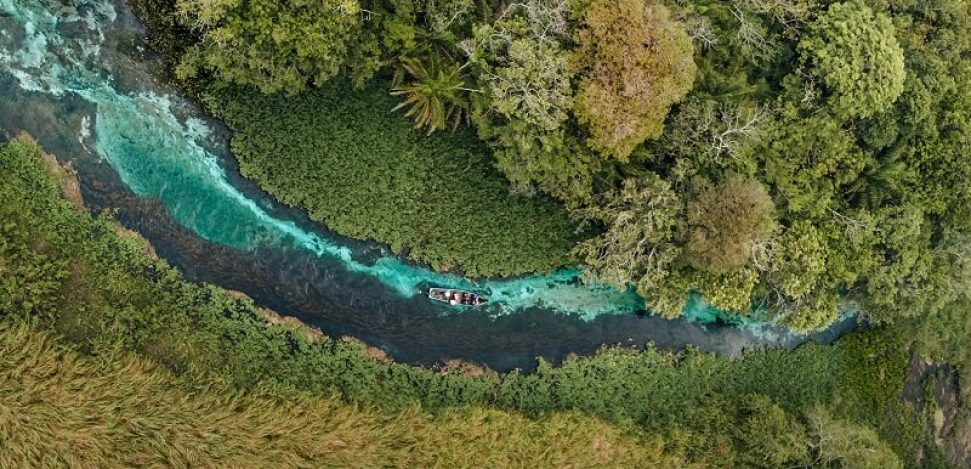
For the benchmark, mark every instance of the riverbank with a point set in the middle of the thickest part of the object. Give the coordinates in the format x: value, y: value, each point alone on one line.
x: 103, y: 289
x: 121, y: 410
x: 157, y: 162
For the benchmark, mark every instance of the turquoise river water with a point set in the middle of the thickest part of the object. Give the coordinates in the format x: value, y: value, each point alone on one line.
x: 77, y: 76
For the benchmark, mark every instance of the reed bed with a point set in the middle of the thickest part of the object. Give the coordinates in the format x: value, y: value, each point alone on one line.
x: 63, y: 409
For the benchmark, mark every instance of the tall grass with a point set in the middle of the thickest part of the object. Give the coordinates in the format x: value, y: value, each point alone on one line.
x: 62, y: 409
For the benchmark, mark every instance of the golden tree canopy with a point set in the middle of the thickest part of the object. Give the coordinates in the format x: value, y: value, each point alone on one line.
x: 637, y: 62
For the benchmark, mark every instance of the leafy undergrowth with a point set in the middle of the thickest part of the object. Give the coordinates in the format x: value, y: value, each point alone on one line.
x: 364, y: 172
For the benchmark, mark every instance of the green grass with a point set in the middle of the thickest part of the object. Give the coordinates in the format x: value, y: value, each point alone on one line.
x: 59, y: 408
x: 364, y: 172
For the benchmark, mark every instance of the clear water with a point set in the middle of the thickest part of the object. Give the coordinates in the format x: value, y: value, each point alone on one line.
x: 74, y: 75
x: 161, y: 156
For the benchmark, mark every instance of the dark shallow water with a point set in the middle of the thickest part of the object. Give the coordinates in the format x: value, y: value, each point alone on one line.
x: 164, y: 167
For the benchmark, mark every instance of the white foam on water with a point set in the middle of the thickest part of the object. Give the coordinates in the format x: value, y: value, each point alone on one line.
x: 158, y: 156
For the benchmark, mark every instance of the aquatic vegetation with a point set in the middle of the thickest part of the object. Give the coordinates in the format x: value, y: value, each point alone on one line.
x: 362, y: 171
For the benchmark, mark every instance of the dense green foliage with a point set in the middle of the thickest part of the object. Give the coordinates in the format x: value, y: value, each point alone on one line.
x: 851, y: 116
x: 945, y: 337
x: 62, y: 270
x: 799, y: 155
x: 858, y: 58
x: 643, y: 212
x: 636, y: 63
x: 526, y: 100
x: 848, y: 446
x: 116, y: 410
x: 811, y: 156
x: 277, y: 46
x: 365, y: 173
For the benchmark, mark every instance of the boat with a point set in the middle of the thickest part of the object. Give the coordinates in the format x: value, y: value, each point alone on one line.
x: 456, y: 297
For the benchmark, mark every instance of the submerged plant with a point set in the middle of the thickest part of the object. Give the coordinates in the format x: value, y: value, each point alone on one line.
x: 434, y: 92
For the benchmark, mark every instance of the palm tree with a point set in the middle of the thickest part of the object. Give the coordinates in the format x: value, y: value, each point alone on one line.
x: 434, y: 93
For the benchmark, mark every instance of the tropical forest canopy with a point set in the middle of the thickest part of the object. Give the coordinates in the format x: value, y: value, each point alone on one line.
x: 791, y: 154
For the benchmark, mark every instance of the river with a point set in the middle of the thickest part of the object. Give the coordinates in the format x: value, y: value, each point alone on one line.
x: 79, y: 78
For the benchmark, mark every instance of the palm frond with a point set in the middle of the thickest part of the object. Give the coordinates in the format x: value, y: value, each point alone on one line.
x: 433, y: 91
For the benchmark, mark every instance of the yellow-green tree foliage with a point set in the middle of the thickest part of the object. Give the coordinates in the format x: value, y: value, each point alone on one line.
x: 114, y: 410
x: 772, y: 437
x: 638, y: 245
x: 800, y: 260
x: 277, y: 45
x: 637, y: 62
x: 730, y: 290
x: 726, y: 222
x: 858, y: 57
x: 840, y: 443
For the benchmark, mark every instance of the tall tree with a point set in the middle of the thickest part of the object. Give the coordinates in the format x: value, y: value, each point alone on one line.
x: 726, y: 223
x: 811, y: 159
x: 637, y: 247
x: 526, y: 104
x: 277, y: 46
x: 855, y: 53
x: 637, y: 62
x: 433, y: 90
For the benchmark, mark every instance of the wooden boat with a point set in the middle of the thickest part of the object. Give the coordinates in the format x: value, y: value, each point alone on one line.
x: 456, y: 297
